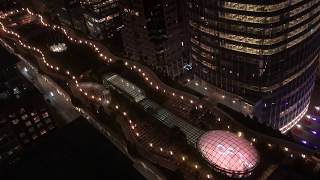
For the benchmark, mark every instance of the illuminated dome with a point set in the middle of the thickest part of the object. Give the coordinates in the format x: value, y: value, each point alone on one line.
x: 228, y: 153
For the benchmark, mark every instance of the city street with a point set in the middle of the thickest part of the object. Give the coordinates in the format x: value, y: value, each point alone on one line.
x: 54, y: 95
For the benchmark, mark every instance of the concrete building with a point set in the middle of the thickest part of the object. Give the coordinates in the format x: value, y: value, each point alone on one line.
x: 257, y: 57
x: 102, y: 17
x: 154, y: 34
x: 70, y: 14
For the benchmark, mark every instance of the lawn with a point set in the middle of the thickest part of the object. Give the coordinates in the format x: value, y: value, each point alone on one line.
x: 76, y: 58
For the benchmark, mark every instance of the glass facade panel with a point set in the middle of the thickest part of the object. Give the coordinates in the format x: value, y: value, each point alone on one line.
x: 262, y: 51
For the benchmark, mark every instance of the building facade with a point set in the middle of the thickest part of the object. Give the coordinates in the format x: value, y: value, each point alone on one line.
x: 154, y: 34
x: 70, y: 14
x: 102, y: 17
x: 25, y: 117
x: 259, y: 55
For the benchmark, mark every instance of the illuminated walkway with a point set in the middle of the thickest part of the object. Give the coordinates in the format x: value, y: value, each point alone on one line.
x: 149, y: 77
x: 137, y: 95
x: 190, y: 163
x: 164, y: 116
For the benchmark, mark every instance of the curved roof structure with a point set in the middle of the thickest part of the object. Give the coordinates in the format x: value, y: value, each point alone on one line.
x: 227, y: 152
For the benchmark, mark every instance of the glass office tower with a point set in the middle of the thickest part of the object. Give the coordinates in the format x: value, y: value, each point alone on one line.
x: 262, y: 53
x: 154, y: 34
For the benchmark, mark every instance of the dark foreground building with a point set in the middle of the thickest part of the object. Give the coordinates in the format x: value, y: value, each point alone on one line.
x: 260, y: 56
x: 76, y: 151
x: 25, y: 117
x: 154, y: 34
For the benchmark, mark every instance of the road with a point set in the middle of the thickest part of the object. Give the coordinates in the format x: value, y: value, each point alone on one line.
x: 51, y: 91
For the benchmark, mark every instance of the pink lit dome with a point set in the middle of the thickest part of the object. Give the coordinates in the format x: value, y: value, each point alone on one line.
x: 228, y: 153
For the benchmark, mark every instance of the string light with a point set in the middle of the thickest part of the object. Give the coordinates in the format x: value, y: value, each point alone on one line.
x: 104, y: 57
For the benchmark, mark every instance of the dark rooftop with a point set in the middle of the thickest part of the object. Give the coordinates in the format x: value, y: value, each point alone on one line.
x: 77, y: 151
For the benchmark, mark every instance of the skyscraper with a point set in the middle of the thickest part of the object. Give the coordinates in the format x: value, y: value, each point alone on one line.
x: 102, y: 17
x: 258, y: 57
x: 154, y: 34
x: 70, y: 13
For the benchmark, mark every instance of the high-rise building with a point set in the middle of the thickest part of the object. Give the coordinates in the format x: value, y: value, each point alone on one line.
x: 70, y: 13
x: 257, y: 57
x: 102, y: 17
x: 154, y: 34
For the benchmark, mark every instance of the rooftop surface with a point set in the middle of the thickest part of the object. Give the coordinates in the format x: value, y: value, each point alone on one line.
x: 77, y: 151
